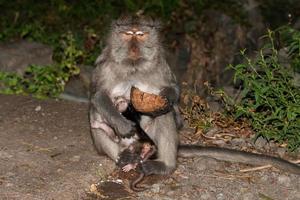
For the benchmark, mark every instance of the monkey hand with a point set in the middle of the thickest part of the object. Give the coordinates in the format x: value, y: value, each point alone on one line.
x: 169, y: 94
x: 125, y: 128
x: 129, y: 167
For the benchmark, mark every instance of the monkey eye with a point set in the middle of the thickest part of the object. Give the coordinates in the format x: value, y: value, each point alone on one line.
x: 139, y: 33
x: 129, y: 33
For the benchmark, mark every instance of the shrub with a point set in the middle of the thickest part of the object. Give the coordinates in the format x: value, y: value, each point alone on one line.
x: 269, y: 97
x: 45, y: 81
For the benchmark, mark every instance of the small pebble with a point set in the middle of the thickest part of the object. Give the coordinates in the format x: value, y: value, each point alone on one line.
x: 281, y: 151
x: 296, y: 194
x: 59, y: 170
x: 248, y: 196
x: 38, y: 108
x: 220, y: 143
x: 206, y: 196
x: 220, y: 196
x: 170, y: 193
x: 238, y: 142
x: 155, y: 188
x: 260, y: 142
x: 75, y: 159
x: 204, y: 163
x: 264, y: 178
x: 284, y: 180
x: 10, y: 174
x: 9, y: 185
x: 212, y: 132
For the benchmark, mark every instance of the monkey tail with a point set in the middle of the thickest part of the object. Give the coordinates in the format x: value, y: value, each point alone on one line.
x: 232, y: 155
x: 133, y: 184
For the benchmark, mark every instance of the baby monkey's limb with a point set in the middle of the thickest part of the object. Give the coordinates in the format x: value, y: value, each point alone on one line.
x: 133, y: 157
x: 138, y: 155
x: 148, y: 150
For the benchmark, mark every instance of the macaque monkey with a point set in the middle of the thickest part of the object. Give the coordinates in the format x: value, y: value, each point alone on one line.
x: 133, y: 158
x: 134, y: 57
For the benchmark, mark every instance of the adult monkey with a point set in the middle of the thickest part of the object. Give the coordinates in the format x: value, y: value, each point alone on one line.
x: 134, y: 57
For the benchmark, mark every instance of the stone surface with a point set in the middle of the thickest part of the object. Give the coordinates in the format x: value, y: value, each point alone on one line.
x: 16, y: 56
x: 79, y: 86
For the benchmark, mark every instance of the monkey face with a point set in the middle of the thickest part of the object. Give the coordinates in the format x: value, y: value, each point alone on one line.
x: 134, y: 39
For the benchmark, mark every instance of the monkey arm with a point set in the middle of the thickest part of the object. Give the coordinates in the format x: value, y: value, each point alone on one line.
x: 171, y: 94
x: 106, y: 109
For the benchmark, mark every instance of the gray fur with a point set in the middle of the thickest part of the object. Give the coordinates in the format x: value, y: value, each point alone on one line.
x: 113, y: 77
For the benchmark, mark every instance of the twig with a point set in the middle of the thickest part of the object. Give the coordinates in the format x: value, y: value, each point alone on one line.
x: 226, y: 176
x: 222, y: 135
x: 263, y: 167
x: 296, y: 161
x: 208, y: 137
x: 37, y: 148
x: 255, y: 168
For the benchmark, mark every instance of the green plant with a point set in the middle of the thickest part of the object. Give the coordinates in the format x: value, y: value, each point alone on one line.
x: 10, y: 83
x: 45, y: 81
x: 270, y: 100
x: 290, y: 37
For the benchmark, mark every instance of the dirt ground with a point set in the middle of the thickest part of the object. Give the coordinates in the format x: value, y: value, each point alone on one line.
x: 46, y: 153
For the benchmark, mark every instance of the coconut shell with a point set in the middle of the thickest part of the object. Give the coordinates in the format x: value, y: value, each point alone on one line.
x: 148, y: 103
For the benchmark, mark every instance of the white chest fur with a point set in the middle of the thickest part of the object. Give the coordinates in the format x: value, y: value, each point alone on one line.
x: 123, y: 89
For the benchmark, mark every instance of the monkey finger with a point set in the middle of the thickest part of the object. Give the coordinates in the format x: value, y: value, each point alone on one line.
x: 127, y: 168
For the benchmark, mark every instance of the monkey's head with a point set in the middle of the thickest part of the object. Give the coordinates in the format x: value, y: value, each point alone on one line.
x: 134, y: 39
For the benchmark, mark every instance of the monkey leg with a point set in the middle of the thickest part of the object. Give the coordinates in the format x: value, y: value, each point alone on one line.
x: 103, y: 110
x: 105, y: 144
x: 163, y: 132
x: 104, y: 138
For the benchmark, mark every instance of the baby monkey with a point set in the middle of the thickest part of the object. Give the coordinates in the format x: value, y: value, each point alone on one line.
x: 133, y: 158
